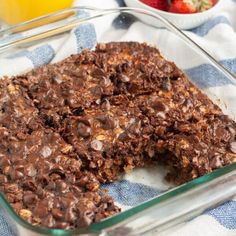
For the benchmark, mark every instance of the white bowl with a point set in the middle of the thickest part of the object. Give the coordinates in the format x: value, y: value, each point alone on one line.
x: 182, y: 21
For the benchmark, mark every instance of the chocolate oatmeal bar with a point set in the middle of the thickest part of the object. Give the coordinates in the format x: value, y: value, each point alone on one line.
x: 41, y: 178
x: 66, y: 128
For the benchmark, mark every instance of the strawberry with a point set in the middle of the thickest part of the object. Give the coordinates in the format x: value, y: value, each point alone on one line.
x: 184, y: 6
x: 158, y: 4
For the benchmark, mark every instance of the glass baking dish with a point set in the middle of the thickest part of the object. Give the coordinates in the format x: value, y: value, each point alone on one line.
x: 177, y: 204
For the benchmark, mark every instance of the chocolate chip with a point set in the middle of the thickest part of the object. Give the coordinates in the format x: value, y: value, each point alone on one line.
x: 88, y: 181
x: 40, y: 210
x: 134, y: 128
x: 151, y: 152
x: 51, y: 186
x: 168, y: 67
x: 158, y: 105
x: 76, y: 73
x: 105, y: 82
x: 29, y: 185
x: 55, y: 176
x: 29, y: 198
x: 232, y: 132
x: 106, y: 106
x: 123, y: 78
x: 30, y: 170
x: 166, y: 85
x: 43, y: 179
x: 70, y: 215
x: 133, y: 88
x: 61, y: 186
x: 98, y: 73
x: 40, y: 192
x: 19, y: 165
x: 123, y: 67
x: 3, y: 179
x: 57, y: 79
x: 48, y: 221
x: 21, y: 136
x: 98, y: 101
x: 119, y: 99
x: 215, y: 162
x: 62, y: 225
x: 67, y: 201
x: 107, y: 122
x: 4, y: 162
x: 222, y: 134
x: 7, y: 170
x: 57, y: 213
x: 84, y: 130
x: 15, y: 175
x: 123, y: 136
x: 86, y: 218
x: 76, y: 190
x: 78, y: 111
x: 58, y: 170
x: 96, y: 91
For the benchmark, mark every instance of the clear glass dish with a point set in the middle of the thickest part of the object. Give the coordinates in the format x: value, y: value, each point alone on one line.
x: 179, y: 203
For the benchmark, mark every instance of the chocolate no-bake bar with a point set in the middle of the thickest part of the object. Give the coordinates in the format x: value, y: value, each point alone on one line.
x: 41, y: 178
x: 66, y: 128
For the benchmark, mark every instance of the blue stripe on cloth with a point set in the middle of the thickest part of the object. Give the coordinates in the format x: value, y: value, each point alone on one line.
x: 203, y: 29
x: 121, y: 3
x: 123, y: 21
x: 5, y: 230
x: 129, y: 193
x: 41, y: 55
x: 206, y: 75
x: 85, y: 36
x: 225, y: 214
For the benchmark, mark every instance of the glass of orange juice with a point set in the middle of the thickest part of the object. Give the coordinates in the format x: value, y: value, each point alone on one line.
x: 16, y: 11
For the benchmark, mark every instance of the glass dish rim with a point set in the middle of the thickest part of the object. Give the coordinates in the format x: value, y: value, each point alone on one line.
x: 96, y: 228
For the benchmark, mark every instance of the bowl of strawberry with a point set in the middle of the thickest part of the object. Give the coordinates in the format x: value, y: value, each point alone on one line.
x: 185, y: 14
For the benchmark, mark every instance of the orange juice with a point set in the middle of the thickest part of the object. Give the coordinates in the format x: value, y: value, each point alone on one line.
x: 16, y: 11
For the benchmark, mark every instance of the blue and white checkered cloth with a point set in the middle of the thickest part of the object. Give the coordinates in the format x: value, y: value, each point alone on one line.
x: 218, y: 36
